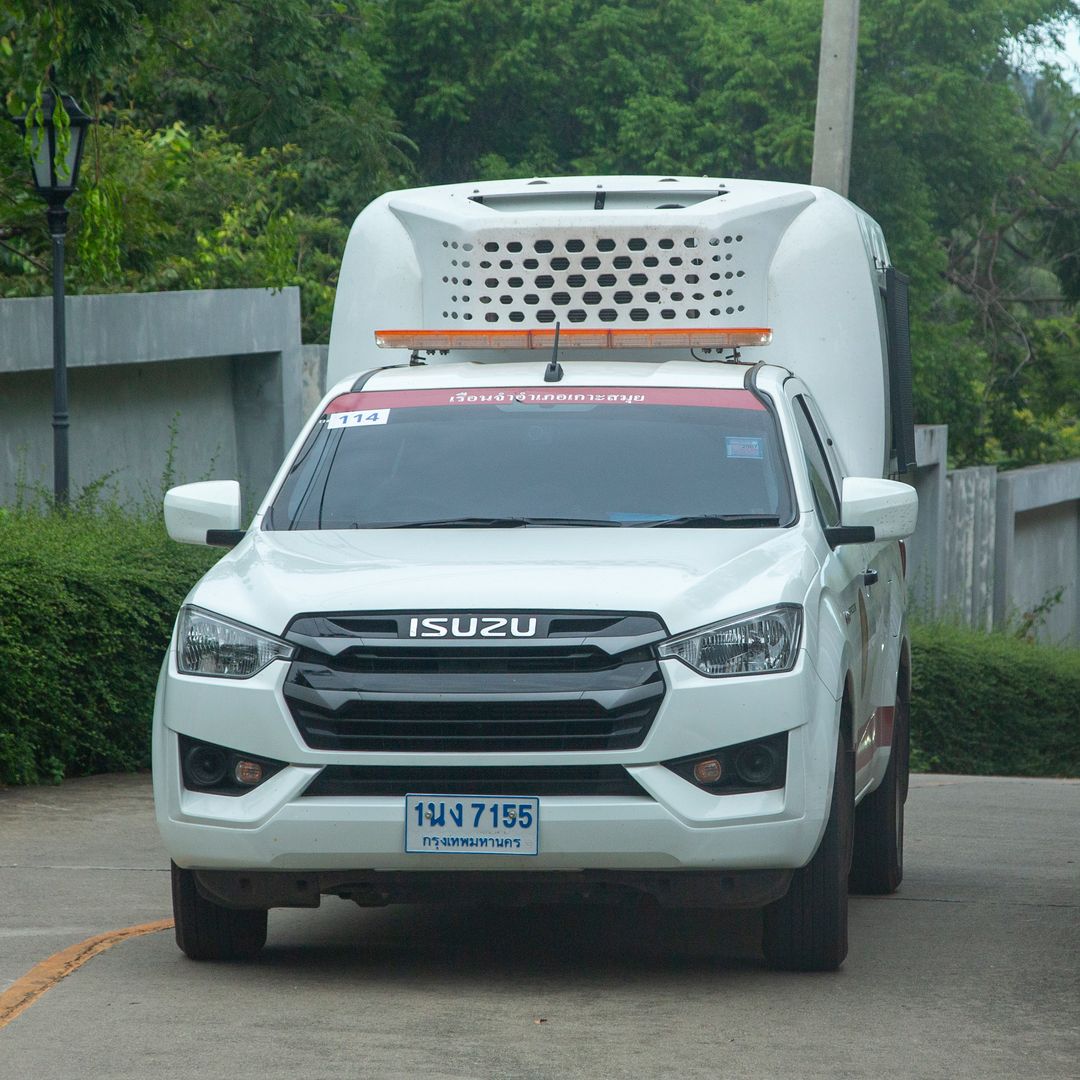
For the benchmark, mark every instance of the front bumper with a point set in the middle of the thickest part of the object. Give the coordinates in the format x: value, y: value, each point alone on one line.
x: 674, y: 826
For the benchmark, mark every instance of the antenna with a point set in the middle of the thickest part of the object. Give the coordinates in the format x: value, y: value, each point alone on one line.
x: 554, y: 372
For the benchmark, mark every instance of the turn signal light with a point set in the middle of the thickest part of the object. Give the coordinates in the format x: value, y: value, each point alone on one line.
x: 575, y: 338
x: 248, y: 773
x: 708, y: 771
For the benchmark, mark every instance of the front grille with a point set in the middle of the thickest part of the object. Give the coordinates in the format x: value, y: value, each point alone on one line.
x: 584, y: 683
x: 477, y: 726
x: 483, y: 662
x: 544, y: 781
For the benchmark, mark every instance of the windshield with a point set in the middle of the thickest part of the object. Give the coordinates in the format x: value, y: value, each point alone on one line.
x: 522, y: 456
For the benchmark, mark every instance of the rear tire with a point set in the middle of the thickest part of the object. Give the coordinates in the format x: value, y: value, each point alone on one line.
x: 806, y: 929
x: 877, y: 866
x: 208, y: 931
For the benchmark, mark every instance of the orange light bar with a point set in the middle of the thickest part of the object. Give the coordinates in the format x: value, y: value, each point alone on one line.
x: 697, y: 337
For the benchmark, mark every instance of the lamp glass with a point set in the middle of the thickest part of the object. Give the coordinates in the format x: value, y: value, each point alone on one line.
x: 40, y: 157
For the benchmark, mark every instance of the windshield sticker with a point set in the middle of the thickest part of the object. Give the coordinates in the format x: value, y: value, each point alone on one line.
x: 382, y: 400
x: 744, y: 447
x: 357, y: 419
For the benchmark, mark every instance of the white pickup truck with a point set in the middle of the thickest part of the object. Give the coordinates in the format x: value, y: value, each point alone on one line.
x: 583, y: 581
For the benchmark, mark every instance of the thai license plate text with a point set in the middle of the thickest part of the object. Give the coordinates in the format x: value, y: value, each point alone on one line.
x: 472, y: 824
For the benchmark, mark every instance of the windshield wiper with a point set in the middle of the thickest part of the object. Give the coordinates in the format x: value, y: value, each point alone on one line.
x: 603, y: 523
x: 487, y: 523
x: 446, y: 523
x: 712, y: 521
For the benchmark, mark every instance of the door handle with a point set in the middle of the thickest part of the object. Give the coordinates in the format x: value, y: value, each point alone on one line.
x: 869, y: 577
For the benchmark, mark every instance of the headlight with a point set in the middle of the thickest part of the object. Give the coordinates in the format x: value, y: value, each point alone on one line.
x: 755, y: 644
x: 210, y: 645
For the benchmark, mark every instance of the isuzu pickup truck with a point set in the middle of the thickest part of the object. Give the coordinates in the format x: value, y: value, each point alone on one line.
x: 584, y: 581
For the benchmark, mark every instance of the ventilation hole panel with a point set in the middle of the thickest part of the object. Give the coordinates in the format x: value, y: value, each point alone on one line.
x: 582, y: 279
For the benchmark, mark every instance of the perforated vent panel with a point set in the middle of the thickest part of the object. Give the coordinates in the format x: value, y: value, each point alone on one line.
x: 621, y: 279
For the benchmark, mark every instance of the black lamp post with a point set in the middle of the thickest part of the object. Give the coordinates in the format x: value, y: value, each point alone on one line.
x: 55, y: 179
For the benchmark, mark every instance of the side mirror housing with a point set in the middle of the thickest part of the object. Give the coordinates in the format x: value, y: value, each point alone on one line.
x: 875, y: 509
x: 204, y: 513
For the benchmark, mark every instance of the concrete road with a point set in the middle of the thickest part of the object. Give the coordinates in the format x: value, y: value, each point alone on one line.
x: 971, y: 970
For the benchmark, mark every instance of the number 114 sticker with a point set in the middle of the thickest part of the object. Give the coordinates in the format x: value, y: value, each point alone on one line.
x: 358, y: 419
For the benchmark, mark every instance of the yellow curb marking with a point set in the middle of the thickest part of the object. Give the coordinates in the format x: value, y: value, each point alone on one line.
x: 44, y: 976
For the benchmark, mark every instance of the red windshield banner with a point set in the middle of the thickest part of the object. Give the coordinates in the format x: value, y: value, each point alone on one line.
x: 699, y: 397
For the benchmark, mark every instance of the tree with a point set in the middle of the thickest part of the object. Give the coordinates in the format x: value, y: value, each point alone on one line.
x: 237, y: 141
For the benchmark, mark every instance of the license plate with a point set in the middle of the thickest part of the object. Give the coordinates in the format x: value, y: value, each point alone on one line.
x: 472, y: 824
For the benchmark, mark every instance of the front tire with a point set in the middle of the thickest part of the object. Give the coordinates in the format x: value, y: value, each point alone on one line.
x: 806, y: 929
x: 208, y: 931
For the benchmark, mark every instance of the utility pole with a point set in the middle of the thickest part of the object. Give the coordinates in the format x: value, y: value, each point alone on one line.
x: 834, y: 118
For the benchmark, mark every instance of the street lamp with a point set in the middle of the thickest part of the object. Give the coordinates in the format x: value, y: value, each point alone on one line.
x: 55, y: 177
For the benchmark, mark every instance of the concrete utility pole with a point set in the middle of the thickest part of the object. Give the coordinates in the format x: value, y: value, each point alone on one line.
x: 834, y: 119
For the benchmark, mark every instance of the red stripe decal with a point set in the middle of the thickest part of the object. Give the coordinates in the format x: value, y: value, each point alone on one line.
x: 885, y: 716
x: 532, y: 395
x: 875, y: 735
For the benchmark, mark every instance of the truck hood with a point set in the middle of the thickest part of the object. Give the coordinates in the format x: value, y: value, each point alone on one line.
x: 688, y: 577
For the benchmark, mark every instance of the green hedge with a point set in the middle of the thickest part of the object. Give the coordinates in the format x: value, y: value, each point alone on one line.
x: 990, y: 704
x: 87, y: 602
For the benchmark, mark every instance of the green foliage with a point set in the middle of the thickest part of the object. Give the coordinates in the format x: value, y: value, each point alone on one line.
x: 168, y: 209
x: 87, y: 601
x: 992, y: 704
x: 237, y: 141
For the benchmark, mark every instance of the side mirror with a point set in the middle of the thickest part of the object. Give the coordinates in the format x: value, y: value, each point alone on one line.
x: 204, y: 513
x: 875, y: 509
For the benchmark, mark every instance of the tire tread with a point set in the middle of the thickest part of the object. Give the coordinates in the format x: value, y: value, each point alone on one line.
x: 207, y: 931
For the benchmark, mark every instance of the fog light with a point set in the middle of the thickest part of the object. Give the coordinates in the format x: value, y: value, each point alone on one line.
x: 248, y: 773
x: 756, y: 762
x: 205, y: 765
x: 708, y: 771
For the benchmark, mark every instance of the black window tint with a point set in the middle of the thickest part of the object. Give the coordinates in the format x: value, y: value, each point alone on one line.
x: 624, y: 464
x: 825, y: 497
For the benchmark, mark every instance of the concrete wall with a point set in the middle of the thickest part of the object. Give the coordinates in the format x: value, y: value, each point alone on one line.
x: 224, y: 366
x: 969, y: 546
x: 991, y: 547
x: 314, y: 376
x: 1038, y: 542
x: 926, y: 568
